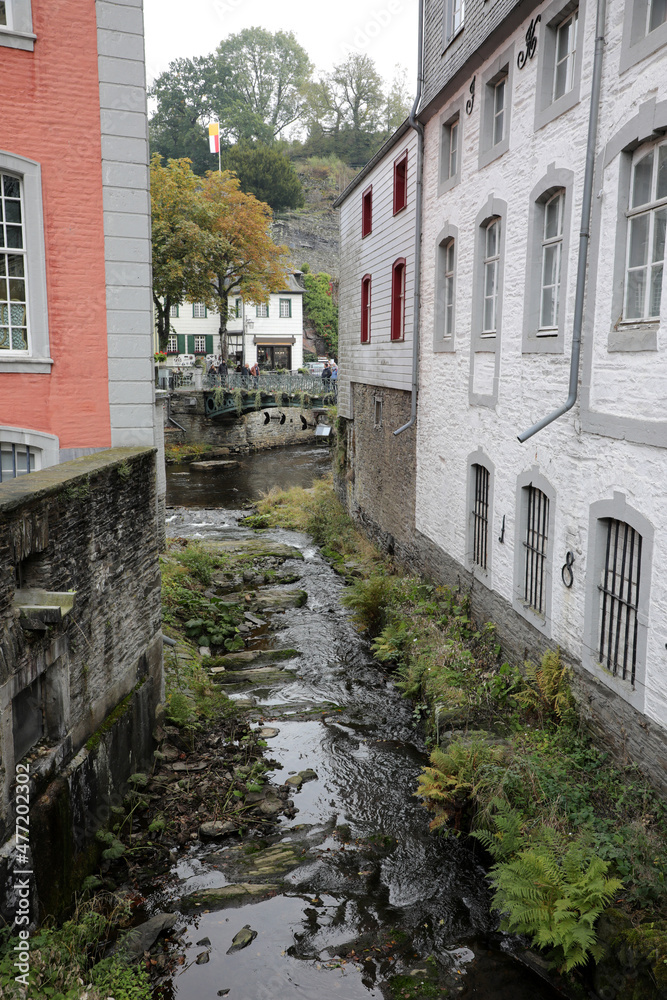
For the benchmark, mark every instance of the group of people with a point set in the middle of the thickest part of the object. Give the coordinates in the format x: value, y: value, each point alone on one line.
x: 330, y: 376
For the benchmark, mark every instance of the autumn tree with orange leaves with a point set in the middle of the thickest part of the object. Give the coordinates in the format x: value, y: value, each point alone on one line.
x: 210, y: 241
x: 243, y: 259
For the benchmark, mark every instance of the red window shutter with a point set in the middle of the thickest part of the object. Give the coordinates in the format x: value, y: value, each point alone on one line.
x: 401, y: 183
x: 398, y: 299
x: 366, y: 309
x: 367, y: 212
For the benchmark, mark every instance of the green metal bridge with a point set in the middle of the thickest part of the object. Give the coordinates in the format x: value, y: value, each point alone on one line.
x: 241, y: 395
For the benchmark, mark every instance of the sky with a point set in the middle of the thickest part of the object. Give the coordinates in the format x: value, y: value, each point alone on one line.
x: 386, y: 30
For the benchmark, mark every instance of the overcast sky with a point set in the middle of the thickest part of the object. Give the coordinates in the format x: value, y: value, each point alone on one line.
x: 384, y: 29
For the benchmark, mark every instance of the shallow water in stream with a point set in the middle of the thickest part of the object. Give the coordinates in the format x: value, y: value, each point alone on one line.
x: 363, y: 873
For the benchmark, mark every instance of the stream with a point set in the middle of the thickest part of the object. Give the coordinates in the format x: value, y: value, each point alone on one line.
x: 362, y: 890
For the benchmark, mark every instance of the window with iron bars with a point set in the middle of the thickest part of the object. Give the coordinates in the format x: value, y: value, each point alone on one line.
x: 480, y: 517
x: 16, y: 460
x: 537, y: 536
x: 619, y: 599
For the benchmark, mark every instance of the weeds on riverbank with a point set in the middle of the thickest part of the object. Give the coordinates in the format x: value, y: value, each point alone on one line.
x: 567, y: 830
x: 181, y: 453
x: 64, y: 961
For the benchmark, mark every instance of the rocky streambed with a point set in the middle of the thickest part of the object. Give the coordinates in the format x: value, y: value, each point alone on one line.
x: 293, y: 854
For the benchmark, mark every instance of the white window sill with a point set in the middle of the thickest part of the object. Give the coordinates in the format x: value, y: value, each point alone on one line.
x: 17, y: 39
x: 634, y: 336
x: 25, y: 365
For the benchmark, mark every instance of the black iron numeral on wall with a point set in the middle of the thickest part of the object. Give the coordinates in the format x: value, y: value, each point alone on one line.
x: 531, y: 43
x: 470, y: 104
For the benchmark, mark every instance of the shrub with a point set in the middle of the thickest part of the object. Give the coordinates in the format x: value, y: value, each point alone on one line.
x: 369, y: 601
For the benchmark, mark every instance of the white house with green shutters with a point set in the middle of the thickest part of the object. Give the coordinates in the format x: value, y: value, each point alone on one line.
x: 273, y: 332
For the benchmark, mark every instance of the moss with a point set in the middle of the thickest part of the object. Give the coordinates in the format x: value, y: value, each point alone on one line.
x: 112, y: 718
x: 415, y: 988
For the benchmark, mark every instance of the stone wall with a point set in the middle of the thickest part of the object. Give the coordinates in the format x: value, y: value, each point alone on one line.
x: 250, y: 431
x: 77, y: 694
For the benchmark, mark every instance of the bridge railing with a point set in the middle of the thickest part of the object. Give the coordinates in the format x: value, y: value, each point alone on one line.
x: 269, y: 382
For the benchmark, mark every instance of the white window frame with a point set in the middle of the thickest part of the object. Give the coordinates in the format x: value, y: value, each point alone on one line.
x: 36, y: 359
x: 198, y: 310
x: 173, y: 312
x: 570, y: 57
x: 650, y: 209
x: 639, y: 40
x: 199, y: 343
x: 9, y: 228
x: 281, y: 304
x: 491, y: 266
x: 499, y: 112
x: 549, y: 243
x: 449, y: 168
x: 18, y: 33
x: 172, y: 344
x: 261, y: 310
x: 446, y: 254
x: 498, y: 74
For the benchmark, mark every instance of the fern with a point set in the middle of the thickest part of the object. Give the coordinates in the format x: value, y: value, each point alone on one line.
x: 555, y: 894
x: 547, y: 691
x: 460, y: 780
x: 506, y: 833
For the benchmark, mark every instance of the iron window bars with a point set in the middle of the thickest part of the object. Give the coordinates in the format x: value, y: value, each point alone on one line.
x: 15, y: 460
x: 537, y: 535
x: 480, y: 517
x: 619, y: 598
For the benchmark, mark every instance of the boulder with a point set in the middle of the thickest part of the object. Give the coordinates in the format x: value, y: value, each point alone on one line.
x: 242, y: 939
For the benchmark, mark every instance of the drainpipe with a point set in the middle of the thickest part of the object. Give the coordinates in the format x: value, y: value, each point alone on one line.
x: 419, y: 129
x: 171, y: 419
x: 584, y: 235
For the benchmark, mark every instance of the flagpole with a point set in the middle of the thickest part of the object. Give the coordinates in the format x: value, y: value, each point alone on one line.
x: 219, y: 154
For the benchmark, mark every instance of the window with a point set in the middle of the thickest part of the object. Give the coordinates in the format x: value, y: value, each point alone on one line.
x: 17, y: 460
x: 285, y: 309
x: 645, y: 249
x: 445, y: 290
x: 657, y: 14
x: 367, y: 212
x: 499, y: 98
x: 559, y: 60
x: 449, y: 150
x: 535, y: 545
x: 491, y: 277
x: 619, y: 600
x: 480, y: 516
x: 552, y: 249
x: 13, y: 297
x: 618, y: 584
x: 454, y: 18
x: 173, y: 312
x: 16, y: 24
x: 401, y: 183
x: 200, y: 345
x: 644, y: 30
x: 544, y: 300
x: 366, y: 309
x: 198, y: 310
x: 262, y: 311
x: 377, y: 416
x: 398, y: 299
x: 172, y: 344
x: 566, y: 48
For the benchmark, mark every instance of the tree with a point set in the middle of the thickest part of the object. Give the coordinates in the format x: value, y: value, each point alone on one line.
x: 267, y: 173
x: 348, y: 104
x: 181, y: 242
x: 320, y: 308
x: 398, y: 102
x: 189, y: 95
x: 242, y: 257
x: 271, y: 72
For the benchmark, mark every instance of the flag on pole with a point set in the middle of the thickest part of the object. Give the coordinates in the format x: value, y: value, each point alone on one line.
x: 214, y: 137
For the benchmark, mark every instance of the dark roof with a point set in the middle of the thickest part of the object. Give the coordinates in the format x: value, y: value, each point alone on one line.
x: 381, y: 153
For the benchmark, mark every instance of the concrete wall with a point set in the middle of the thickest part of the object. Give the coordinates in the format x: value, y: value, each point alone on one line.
x: 127, y: 219
x: 87, y: 526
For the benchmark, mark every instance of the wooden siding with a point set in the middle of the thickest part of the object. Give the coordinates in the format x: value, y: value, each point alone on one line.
x: 379, y: 362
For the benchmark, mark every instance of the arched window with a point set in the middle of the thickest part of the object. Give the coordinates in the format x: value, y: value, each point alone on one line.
x: 647, y: 221
x: 366, y: 309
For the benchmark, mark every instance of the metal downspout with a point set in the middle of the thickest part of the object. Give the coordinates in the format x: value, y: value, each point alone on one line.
x: 584, y: 235
x: 419, y: 129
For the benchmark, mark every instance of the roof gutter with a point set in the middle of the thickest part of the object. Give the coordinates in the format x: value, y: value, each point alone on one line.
x: 584, y: 235
x: 419, y: 129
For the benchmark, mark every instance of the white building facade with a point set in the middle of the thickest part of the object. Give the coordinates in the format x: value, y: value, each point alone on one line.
x: 273, y: 332
x: 561, y: 539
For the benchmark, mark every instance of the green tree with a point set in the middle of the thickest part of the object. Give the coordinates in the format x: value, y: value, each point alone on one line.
x: 181, y: 241
x: 267, y: 173
x: 241, y: 258
x: 271, y: 72
x: 320, y: 308
x: 398, y: 101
